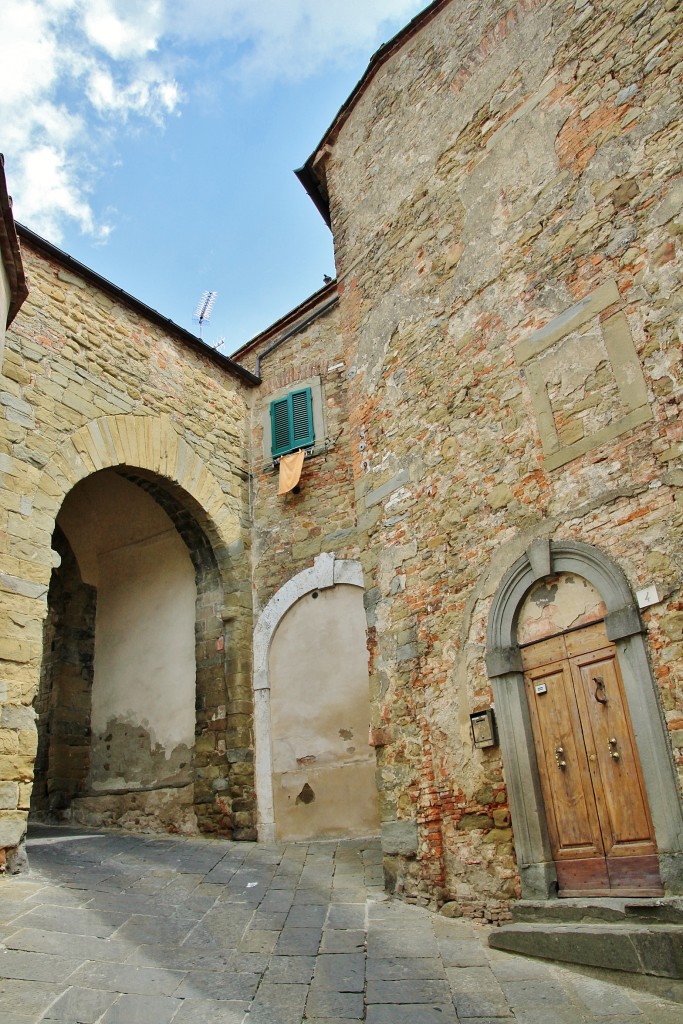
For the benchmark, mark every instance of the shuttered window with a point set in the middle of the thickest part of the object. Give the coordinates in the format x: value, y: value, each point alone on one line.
x: 291, y: 420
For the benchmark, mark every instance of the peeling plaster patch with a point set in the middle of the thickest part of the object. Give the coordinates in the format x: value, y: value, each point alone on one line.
x: 552, y: 606
x: 125, y: 757
x: 306, y: 796
x: 545, y: 594
x: 346, y: 734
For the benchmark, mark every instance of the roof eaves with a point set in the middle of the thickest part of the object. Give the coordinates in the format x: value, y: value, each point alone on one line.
x: 10, y: 251
x: 188, y: 339
x: 307, y: 174
x: 290, y: 319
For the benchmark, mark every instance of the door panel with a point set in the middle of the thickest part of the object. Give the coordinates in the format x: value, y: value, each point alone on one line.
x: 565, y: 778
x: 597, y: 811
x: 617, y: 782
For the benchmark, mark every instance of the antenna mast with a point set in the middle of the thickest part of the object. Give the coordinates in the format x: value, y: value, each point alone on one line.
x: 203, y: 311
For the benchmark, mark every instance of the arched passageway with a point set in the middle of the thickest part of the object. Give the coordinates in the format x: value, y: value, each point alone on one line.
x: 133, y: 709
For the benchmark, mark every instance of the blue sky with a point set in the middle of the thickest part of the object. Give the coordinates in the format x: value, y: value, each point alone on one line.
x: 155, y: 140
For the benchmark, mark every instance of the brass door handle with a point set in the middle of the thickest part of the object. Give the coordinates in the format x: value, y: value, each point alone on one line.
x: 612, y: 747
x: 559, y: 758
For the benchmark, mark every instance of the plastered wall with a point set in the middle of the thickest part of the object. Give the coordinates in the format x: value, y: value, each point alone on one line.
x: 143, y: 697
x: 323, y: 769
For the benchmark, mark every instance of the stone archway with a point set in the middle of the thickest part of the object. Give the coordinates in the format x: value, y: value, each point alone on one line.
x: 152, y: 454
x: 625, y: 629
x: 278, y: 727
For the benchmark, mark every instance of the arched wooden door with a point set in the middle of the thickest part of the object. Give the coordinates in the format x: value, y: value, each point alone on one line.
x: 598, y: 817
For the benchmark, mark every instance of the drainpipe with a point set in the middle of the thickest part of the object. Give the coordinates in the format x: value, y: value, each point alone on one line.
x: 292, y: 331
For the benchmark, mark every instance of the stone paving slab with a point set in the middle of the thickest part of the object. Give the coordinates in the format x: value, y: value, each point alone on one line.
x: 116, y: 928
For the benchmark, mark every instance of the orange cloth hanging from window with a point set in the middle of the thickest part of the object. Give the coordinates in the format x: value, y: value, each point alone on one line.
x: 290, y: 471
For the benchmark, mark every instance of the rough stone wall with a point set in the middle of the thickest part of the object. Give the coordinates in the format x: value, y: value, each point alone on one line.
x: 89, y: 383
x: 64, y: 701
x: 512, y: 160
x: 289, y: 531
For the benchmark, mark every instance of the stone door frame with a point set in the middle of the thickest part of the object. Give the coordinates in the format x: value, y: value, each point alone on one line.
x: 626, y: 630
x: 326, y: 571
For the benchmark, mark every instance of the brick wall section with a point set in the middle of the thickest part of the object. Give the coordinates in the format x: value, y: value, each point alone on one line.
x: 506, y: 163
x: 81, y: 364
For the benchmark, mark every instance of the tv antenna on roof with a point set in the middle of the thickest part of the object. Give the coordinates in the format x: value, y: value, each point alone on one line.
x: 204, y: 307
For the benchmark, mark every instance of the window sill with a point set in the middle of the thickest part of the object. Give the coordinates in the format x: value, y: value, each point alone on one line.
x: 311, y: 453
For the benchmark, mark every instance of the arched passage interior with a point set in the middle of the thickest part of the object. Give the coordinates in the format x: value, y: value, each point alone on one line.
x: 133, y: 704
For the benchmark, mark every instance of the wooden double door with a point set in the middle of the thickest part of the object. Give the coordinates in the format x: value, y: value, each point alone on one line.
x: 597, y: 810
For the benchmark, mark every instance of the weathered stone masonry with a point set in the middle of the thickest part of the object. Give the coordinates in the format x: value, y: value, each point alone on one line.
x: 289, y: 532
x: 90, y: 384
x: 498, y: 391
x: 505, y: 163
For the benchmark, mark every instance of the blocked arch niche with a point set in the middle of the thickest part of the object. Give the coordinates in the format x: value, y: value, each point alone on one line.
x: 150, y: 454
x: 625, y: 629
x: 326, y: 572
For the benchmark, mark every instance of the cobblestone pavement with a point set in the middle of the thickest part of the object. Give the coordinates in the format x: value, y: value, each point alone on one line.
x: 129, y: 929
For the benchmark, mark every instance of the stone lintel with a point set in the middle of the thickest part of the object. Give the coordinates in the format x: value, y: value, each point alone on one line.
x: 384, y: 490
x: 623, y: 622
x: 587, y: 308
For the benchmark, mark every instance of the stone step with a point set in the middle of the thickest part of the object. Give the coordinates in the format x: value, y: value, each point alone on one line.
x: 637, y: 948
x: 620, y: 910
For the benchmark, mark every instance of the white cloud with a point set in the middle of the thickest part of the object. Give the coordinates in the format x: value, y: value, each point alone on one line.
x: 70, y: 70
x: 149, y: 95
x: 290, y: 39
x: 123, y: 30
x: 75, y: 72
x: 51, y: 191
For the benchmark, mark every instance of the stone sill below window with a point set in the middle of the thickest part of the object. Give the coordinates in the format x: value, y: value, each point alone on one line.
x: 311, y: 453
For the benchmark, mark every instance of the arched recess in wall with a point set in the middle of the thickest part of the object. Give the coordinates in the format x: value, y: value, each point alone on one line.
x: 147, y: 459
x: 314, y: 769
x: 625, y: 630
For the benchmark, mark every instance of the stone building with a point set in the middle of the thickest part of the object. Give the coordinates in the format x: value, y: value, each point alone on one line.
x: 463, y: 626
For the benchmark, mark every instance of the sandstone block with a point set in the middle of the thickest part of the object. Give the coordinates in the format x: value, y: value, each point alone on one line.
x: 14, y: 716
x: 9, y: 796
x: 399, y: 837
x: 15, y: 650
x: 500, y: 496
x: 12, y: 828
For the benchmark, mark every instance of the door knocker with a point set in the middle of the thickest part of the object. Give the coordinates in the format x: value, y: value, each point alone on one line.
x: 600, y: 688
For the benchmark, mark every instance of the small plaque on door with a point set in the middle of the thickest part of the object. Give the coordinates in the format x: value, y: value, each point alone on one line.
x: 541, y: 688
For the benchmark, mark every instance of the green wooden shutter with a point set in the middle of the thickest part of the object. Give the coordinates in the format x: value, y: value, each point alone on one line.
x: 291, y: 421
x: 302, y: 419
x: 280, y: 427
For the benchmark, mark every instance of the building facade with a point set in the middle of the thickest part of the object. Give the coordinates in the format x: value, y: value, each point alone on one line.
x: 462, y: 627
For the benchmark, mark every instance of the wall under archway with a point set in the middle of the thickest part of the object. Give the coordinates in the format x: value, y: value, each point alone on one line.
x: 315, y: 773
x: 625, y: 629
